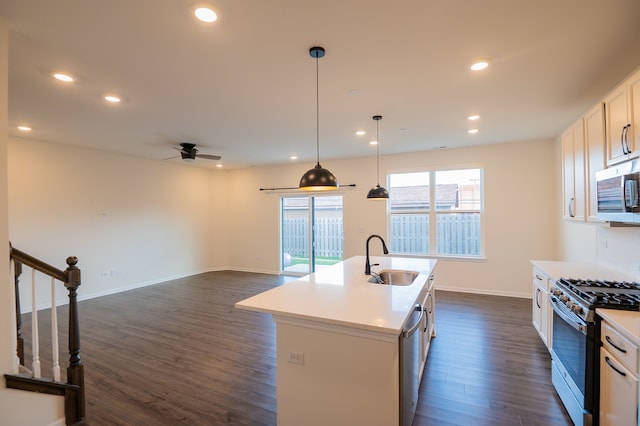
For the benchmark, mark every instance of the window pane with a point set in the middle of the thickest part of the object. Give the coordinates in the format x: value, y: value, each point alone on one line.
x: 409, y: 191
x: 458, y: 190
x: 327, y: 231
x: 410, y: 233
x: 295, y: 234
x: 458, y: 233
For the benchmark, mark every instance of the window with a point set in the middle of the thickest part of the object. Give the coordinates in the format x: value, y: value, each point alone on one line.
x: 448, y: 226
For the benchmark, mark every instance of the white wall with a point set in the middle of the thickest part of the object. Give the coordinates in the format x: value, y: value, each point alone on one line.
x: 17, y: 407
x: 130, y: 221
x: 520, y: 184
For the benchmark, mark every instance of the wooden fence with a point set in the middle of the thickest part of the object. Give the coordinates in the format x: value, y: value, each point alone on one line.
x: 457, y: 234
x: 328, y: 241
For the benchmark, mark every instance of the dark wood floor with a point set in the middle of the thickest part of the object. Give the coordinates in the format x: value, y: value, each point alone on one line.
x: 180, y: 354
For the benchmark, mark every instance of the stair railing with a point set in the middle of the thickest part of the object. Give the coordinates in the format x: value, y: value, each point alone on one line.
x: 73, y: 388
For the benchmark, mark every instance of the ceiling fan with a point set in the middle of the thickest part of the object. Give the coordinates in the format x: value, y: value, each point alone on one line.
x: 189, y: 152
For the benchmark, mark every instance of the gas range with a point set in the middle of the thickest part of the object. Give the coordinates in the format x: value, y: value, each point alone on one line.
x: 582, y: 297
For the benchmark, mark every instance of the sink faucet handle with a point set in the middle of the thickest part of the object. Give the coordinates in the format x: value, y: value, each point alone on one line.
x: 375, y: 264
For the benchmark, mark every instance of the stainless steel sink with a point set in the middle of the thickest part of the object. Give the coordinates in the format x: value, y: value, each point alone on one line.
x: 394, y: 277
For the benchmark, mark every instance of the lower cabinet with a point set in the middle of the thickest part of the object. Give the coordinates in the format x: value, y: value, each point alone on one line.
x: 541, y: 313
x: 618, y: 379
x: 428, y: 301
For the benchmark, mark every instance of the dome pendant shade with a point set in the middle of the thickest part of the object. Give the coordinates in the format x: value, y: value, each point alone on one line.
x: 378, y: 192
x: 318, y: 179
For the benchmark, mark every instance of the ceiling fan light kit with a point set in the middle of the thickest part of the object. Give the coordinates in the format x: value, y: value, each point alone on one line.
x: 318, y: 178
x: 378, y: 192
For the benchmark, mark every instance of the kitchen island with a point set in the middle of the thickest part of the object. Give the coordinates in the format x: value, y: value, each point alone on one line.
x: 338, y: 341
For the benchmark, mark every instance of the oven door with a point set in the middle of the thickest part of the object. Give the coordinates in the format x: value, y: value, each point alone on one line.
x: 573, y: 352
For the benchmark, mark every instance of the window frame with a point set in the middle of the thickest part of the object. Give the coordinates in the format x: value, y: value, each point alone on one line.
x: 432, y: 213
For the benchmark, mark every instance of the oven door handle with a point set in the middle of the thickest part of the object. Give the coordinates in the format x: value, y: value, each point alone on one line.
x: 572, y: 319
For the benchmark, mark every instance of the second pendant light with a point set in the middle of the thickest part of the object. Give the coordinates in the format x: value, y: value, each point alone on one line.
x: 378, y: 192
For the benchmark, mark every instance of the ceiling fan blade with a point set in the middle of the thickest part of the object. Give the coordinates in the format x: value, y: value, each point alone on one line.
x: 171, y: 158
x: 209, y: 156
x: 180, y: 149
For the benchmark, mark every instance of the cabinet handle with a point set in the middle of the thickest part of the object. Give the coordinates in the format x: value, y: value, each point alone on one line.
x: 624, y: 351
x: 622, y: 134
x: 626, y: 138
x: 538, y: 277
x: 538, y: 298
x: 622, y: 373
x: 571, y: 213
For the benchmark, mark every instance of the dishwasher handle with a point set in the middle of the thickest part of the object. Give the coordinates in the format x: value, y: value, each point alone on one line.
x: 416, y: 326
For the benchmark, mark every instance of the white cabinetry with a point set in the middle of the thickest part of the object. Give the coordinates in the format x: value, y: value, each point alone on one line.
x: 622, y: 120
x: 582, y: 156
x: 542, y: 315
x: 594, y: 159
x: 618, y: 378
x: 428, y: 301
x: 573, y: 172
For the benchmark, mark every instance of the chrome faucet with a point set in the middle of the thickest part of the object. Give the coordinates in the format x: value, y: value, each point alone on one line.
x: 367, y: 265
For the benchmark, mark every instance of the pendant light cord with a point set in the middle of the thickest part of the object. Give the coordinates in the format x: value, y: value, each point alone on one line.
x: 317, y: 114
x: 378, y: 151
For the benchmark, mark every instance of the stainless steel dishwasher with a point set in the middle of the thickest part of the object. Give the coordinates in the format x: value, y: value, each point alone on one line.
x: 410, y: 365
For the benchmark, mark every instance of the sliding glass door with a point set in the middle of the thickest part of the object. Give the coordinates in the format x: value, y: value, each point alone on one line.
x: 311, y: 233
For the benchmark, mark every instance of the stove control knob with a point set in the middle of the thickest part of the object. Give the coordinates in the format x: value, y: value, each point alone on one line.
x: 564, y: 298
x: 576, y: 309
x: 556, y: 292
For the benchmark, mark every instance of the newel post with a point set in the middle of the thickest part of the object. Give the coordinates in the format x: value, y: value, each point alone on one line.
x: 75, y: 371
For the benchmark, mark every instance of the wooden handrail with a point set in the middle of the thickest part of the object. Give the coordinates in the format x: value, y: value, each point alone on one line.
x: 70, y: 277
x: 38, y: 264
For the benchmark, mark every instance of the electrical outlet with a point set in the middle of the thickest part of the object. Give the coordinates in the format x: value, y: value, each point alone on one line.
x: 295, y: 357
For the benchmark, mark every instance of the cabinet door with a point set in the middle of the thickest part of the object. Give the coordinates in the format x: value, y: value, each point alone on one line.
x: 573, y: 172
x: 618, y: 392
x: 537, y: 307
x: 633, y: 135
x: 615, y: 108
x: 594, y: 159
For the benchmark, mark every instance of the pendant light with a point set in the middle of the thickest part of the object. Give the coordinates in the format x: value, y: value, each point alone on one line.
x: 378, y: 192
x: 318, y: 178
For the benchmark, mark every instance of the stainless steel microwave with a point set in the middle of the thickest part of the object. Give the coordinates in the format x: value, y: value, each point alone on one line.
x: 617, y: 193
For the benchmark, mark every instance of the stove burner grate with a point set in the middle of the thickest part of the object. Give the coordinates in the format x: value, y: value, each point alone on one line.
x: 604, y: 294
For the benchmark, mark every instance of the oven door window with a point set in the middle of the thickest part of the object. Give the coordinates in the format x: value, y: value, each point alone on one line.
x: 570, y: 347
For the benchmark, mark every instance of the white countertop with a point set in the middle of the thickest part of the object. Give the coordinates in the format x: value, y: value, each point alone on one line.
x: 341, y: 295
x: 627, y: 322
x: 594, y: 271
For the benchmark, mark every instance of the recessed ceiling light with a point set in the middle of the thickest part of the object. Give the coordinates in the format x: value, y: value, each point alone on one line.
x: 479, y: 65
x: 112, y: 98
x: 63, y: 77
x: 24, y: 128
x: 473, y: 131
x: 473, y: 117
x: 293, y: 157
x: 206, y: 15
x: 218, y: 165
x: 373, y: 142
x: 360, y: 132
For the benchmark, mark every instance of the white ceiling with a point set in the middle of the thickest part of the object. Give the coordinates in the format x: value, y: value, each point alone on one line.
x: 245, y: 86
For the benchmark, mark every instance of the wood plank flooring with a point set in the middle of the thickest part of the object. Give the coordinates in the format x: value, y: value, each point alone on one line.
x: 179, y: 353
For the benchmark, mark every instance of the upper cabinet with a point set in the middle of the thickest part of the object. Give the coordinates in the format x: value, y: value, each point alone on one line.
x: 622, y: 121
x: 594, y: 158
x: 573, y: 190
